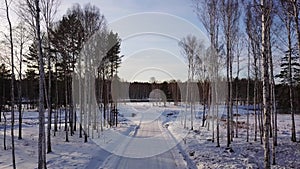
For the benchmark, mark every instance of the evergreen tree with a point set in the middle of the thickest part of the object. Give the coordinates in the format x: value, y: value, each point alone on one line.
x: 31, y: 58
x: 31, y: 83
x: 295, y: 67
x: 113, y: 53
x: 113, y: 61
x: 4, y: 86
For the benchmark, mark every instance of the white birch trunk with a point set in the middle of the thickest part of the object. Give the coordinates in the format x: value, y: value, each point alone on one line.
x: 41, y: 138
x: 265, y: 19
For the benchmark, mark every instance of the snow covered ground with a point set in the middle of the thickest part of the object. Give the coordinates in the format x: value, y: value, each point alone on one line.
x: 73, y: 154
x: 244, y: 155
x: 148, y: 139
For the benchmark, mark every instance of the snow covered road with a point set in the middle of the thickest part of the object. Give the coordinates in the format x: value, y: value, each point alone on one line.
x: 167, y: 159
x: 162, y: 161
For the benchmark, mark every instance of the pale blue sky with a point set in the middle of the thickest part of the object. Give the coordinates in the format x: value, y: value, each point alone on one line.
x: 150, y: 31
x: 144, y: 26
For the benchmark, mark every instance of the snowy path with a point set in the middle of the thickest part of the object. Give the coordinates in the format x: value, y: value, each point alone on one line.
x: 166, y: 160
x: 97, y: 159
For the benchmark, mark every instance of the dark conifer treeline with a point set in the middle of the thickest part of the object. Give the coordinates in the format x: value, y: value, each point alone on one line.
x: 140, y: 91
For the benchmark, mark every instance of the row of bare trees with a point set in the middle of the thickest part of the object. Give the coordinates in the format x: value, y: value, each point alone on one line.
x: 268, y: 27
x: 51, y: 51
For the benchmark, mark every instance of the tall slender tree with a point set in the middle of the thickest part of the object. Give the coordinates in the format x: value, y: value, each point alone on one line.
x: 12, y: 83
x: 253, y: 30
x: 21, y: 36
x: 114, y: 59
x: 266, y: 7
x: 230, y: 20
x: 38, y: 40
x: 239, y: 46
x: 48, y: 10
x: 208, y: 13
x: 191, y: 47
x: 248, y: 92
x: 290, y: 72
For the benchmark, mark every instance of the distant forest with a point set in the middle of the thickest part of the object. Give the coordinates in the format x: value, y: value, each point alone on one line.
x: 140, y: 91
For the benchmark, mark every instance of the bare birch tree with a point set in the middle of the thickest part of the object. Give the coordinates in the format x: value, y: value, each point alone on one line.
x: 7, y: 5
x: 48, y: 10
x: 253, y: 30
x: 208, y: 14
x: 34, y: 7
x: 191, y: 47
x: 296, y: 19
x: 230, y: 20
x: 266, y: 7
x: 21, y: 36
x: 239, y: 47
x: 29, y: 11
x: 248, y: 91
x: 285, y: 13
